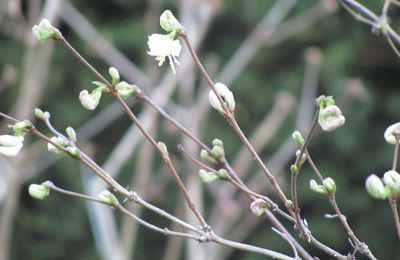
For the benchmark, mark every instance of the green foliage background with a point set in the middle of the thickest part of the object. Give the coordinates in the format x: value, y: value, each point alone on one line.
x: 58, y: 227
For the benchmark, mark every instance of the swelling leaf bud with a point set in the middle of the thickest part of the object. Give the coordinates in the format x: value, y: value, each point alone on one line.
x: 227, y: 98
x: 298, y: 138
x: 20, y: 128
x: 58, y: 140
x: 391, y: 133
x: 108, y: 198
x: 375, y: 187
x: 39, y: 192
x: 223, y: 174
x: 45, y: 31
x: 163, y: 148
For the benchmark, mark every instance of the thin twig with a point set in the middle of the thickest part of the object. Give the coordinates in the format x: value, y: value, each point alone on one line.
x: 393, y: 205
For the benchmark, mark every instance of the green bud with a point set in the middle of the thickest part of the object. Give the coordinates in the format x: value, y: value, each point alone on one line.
x: 20, y: 128
x: 100, y: 85
x: 317, y: 188
x: 223, y: 174
x: 205, y: 156
x: 45, y: 31
x: 329, y: 185
x: 289, y: 204
x: 294, y: 169
x: 126, y: 90
x: 169, y: 23
x: 39, y: 192
x: 375, y: 187
x: 323, y: 101
x: 108, y: 198
x: 217, y: 152
x: 58, y: 140
x: 208, y: 177
x: 71, y: 134
x: 218, y: 142
x: 114, y: 75
x: 296, y: 135
x: 73, y: 151
x: 303, y: 156
x: 330, y: 118
x: 39, y: 113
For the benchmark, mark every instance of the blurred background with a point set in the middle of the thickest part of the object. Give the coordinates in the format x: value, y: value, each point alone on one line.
x: 276, y: 56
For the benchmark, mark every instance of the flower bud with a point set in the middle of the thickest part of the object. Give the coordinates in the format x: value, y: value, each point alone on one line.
x: 226, y: 95
x: 39, y: 113
x: 329, y: 185
x: 303, y: 156
x: 10, y: 145
x: 90, y: 101
x: 258, y: 207
x: 298, y: 138
x: 315, y: 187
x: 330, y: 118
x: 294, y: 169
x: 126, y: 90
x: 391, y: 133
x: 208, y: 177
x: 45, y: 31
x: 71, y: 134
x: 392, y: 181
x: 108, y: 198
x: 39, y: 192
x: 163, y: 148
x: 205, y: 156
x: 169, y: 23
x: 217, y: 152
x: 375, y: 187
x: 58, y: 140
x: 114, y: 75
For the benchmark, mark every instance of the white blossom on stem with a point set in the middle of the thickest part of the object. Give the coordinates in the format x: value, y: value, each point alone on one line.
x: 226, y: 95
x: 391, y: 132
x: 162, y: 46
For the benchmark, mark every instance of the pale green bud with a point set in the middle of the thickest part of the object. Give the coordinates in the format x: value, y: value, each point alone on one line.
x: 218, y: 142
x: 71, y: 134
x: 314, y: 186
x: 298, y: 138
x: 294, y: 169
x: 169, y: 23
x: 208, y: 177
x: 108, y: 198
x: 375, y: 187
x: 258, y: 207
x: 58, y: 140
x: 126, y: 90
x: 20, y: 128
x: 39, y: 192
x: 329, y: 185
x: 39, y: 113
x: 90, y: 101
x: 391, y: 133
x: 45, y: 31
x: 323, y: 101
x: 223, y: 174
x: 114, y: 75
x: 74, y: 152
x: 303, y: 156
x: 392, y: 181
x: 205, y: 156
x: 217, y: 152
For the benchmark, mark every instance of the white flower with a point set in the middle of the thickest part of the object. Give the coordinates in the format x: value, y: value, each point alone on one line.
x: 330, y: 118
x: 10, y: 145
x: 163, y: 46
x: 226, y: 96
x: 89, y: 101
x: 45, y: 31
x: 391, y: 132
